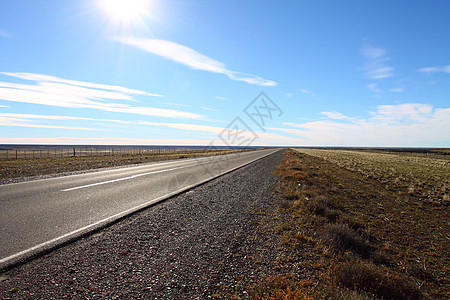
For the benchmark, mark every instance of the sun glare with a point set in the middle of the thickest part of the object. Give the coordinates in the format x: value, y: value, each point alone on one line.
x: 125, y: 10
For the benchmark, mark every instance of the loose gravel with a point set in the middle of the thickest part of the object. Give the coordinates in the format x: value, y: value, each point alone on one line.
x: 211, y: 242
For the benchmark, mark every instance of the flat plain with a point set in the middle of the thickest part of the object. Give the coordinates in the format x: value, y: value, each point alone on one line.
x: 365, y: 224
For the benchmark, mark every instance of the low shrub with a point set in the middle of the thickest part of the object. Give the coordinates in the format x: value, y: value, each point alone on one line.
x: 341, y: 238
x: 322, y: 206
x: 373, y: 280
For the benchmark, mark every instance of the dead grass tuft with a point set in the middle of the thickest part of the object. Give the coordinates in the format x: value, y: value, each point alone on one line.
x: 372, y: 279
x: 341, y: 238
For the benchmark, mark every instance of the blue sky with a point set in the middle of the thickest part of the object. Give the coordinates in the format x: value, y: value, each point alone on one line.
x: 341, y: 73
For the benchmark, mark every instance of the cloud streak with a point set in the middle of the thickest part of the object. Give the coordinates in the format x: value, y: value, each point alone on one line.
x: 4, y: 34
x: 335, y: 115
x: 376, y: 66
x: 23, y: 120
x: 54, y: 91
x: 193, y: 59
x: 374, y: 88
x: 210, y: 133
x: 444, y: 69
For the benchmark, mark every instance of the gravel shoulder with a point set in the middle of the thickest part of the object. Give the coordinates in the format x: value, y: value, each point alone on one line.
x: 213, y: 241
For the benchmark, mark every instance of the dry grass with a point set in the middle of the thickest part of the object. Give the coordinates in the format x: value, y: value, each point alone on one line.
x: 282, y: 288
x: 426, y: 175
x: 377, y: 281
x: 356, y: 236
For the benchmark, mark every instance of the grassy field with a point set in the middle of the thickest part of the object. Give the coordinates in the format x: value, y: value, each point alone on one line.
x: 366, y: 224
x: 425, y: 175
x: 11, y: 169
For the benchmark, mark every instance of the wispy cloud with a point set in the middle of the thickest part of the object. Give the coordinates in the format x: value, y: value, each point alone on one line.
x: 374, y: 88
x: 191, y: 58
x: 49, y: 78
x: 305, y: 91
x: 24, y: 120
x: 264, y: 138
x: 397, y: 90
x: 409, y: 124
x: 4, y: 34
x: 60, y: 118
x: 68, y: 140
x: 220, y: 98
x: 376, y: 66
x: 54, y: 91
x: 444, y: 69
x: 335, y: 115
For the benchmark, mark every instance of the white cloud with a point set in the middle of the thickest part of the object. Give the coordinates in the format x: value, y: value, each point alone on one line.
x: 187, y: 127
x: 54, y: 91
x: 59, y: 118
x: 444, y: 69
x: 289, y: 95
x: 21, y: 120
x: 376, y: 66
x: 409, y: 125
x: 335, y: 115
x: 191, y: 58
x: 267, y: 140
x: 220, y: 98
x: 397, y: 90
x: 4, y: 34
x: 305, y: 91
x: 48, y: 78
x: 374, y: 88
x: 263, y: 138
x: 64, y: 140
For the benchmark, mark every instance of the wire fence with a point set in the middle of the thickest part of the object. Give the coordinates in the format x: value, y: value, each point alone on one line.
x: 12, y: 154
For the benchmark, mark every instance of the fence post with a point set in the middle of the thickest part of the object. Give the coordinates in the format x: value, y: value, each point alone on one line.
x: 74, y: 152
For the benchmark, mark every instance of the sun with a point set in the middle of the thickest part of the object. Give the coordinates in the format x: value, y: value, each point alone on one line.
x: 125, y: 10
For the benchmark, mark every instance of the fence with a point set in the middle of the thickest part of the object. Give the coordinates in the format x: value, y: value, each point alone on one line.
x: 11, y: 154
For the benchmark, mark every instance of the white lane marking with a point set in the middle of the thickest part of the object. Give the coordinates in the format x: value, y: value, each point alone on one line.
x: 122, y: 168
x: 130, y: 177
x: 124, y: 178
x: 116, y: 216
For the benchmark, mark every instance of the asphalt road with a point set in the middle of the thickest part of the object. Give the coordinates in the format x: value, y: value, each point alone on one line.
x: 38, y: 215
